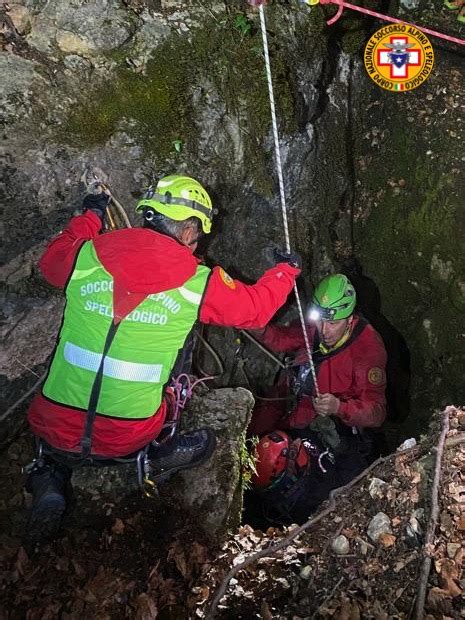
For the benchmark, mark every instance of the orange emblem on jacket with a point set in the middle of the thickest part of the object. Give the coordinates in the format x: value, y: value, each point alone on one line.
x: 376, y: 376
x: 227, y: 279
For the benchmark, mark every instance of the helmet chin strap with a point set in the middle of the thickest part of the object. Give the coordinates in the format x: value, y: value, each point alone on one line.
x: 196, y: 240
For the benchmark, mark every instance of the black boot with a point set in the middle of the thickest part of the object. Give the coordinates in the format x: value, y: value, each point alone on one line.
x: 186, y: 451
x: 49, y: 484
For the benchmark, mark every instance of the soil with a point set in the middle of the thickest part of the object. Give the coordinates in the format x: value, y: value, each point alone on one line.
x: 137, y: 557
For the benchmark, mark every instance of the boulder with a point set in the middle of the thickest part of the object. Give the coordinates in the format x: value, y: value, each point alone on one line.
x: 211, y: 495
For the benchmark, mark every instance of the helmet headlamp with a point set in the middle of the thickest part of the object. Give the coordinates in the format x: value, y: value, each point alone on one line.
x: 317, y: 313
x: 334, y: 298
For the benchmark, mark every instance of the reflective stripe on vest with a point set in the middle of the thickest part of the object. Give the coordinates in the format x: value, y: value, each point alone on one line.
x: 143, y: 352
x: 118, y: 369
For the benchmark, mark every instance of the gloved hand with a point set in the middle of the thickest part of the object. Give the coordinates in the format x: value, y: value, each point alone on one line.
x: 326, y: 404
x: 292, y: 258
x: 97, y: 203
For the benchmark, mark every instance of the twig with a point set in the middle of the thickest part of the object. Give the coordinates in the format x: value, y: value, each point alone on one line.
x: 272, y: 549
x: 451, y: 442
x: 392, y: 604
x: 433, y: 520
x: 25, y: 367
x: 23, y: 397
x: 328, y: 598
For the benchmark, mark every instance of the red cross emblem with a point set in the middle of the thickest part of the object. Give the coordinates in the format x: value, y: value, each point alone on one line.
x: 399, y: 47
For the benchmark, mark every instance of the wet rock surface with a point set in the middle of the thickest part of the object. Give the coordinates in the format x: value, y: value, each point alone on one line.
x: 117, y: 85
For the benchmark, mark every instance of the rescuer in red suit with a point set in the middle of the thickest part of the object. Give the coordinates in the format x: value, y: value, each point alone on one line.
x: 133, y: 297
x: 350, y: 361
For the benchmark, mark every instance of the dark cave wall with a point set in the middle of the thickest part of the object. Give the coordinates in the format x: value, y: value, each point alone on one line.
x: 182, y: 88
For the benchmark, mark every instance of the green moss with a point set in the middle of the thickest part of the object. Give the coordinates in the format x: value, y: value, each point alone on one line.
x: 155, y: 109
x: 412, y: 228
x: 353, y: 40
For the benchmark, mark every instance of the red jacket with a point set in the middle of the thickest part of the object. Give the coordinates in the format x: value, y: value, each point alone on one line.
x: 356, y: 375
x: 143, y: 262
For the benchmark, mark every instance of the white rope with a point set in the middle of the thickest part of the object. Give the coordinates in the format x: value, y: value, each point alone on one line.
x: 281, y: 187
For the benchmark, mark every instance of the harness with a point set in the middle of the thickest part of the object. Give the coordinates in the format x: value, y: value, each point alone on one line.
x: 302, y: 380
x: 140, y: 459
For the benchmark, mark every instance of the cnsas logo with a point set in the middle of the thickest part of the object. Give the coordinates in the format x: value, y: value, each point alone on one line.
x: 399, y: 57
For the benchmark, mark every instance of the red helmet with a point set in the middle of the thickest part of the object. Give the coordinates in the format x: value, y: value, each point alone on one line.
x: 276, y: 453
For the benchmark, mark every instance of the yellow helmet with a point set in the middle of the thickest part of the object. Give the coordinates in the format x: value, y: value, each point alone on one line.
x: 179, y: 198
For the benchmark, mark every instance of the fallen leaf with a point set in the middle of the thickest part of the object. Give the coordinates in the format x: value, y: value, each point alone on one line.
x: 265, y: 612
x: 181, y: 564
x: 201, y: 594
x: 449, y: 573
x: 22, y: 560
x: 439, y: 600
x: 118, y: 527
x: 198, y: 553
x: 386, y: 540
x: 349, y: 610
x: 146, y: 607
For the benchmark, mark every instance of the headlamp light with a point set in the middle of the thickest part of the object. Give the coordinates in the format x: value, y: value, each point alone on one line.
x: 317, y: 313
x: 314, y: 315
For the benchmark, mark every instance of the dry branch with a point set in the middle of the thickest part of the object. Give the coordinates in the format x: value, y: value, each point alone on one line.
x: 6, y: 413
x: 433, y: 520
x: 328, y: 598
x: 272, y: 549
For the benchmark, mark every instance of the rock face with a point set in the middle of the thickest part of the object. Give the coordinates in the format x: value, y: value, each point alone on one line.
x: 213, y: 491
x: 210, y: 493
x: 142, y: 88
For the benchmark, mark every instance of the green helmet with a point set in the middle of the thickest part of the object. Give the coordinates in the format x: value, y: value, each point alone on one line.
x: 333, y: 299
x: 179, y: 198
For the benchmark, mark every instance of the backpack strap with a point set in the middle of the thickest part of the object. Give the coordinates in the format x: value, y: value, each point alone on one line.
x: 291, y: 467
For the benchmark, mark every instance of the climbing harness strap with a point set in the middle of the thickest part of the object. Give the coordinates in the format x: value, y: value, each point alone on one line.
x: 302, y: 384
x: 86, y: 439
x: 281, y: 185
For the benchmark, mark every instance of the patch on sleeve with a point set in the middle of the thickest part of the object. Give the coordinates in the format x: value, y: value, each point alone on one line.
x: 227, y: 279
x: 376, y: 376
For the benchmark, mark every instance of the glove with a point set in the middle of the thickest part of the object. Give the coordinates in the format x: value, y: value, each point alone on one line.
x: 97, y: 203
x: 292, y: 258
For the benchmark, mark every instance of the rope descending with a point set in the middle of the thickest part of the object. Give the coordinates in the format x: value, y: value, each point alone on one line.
x: 281, y: 187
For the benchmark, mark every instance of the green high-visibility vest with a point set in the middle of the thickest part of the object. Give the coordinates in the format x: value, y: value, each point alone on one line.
x: 143, y: 349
